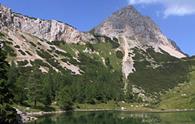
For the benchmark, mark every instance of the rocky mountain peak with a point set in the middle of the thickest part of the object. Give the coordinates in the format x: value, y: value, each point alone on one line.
x: 137, y: 30
x: 127, y: 12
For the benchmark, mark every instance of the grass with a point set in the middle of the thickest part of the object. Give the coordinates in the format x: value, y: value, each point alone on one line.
x: 182, y: 96
x: 167, y: 74
x: 99, y: 51
x: 111, y: 105
x: 38, y: 108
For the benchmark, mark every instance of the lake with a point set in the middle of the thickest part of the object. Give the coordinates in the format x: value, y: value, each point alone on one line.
x: 109, y: 117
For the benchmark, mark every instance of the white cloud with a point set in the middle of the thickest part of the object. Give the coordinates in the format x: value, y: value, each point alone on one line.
x: 171, y: 7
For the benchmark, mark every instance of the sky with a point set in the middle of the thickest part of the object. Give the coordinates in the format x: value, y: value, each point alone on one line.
x: 176, y: 18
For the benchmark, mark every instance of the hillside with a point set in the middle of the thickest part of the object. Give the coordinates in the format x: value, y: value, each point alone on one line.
x: 126, y: 58
x: 182, y: 96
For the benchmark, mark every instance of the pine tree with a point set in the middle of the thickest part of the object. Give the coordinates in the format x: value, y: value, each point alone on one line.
x: 35, y: 86
x: 64, y: 99
x: 8, y: 115
x: 20, y: 90
x: 47, y: 90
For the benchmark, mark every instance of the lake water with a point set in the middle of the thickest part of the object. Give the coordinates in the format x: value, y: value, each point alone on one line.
x: 118, y: 118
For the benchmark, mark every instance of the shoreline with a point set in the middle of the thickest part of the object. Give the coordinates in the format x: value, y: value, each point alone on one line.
x: 33, y: 116
x: 42, y: 113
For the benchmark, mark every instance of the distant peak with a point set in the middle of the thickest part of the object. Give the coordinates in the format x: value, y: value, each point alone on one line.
x: 128, y: 11
x: 129, y: 8
x: 138, y: 30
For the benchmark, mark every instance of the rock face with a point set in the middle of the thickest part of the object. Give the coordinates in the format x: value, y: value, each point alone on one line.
x: 135, y: 30
x: 138, y: 30
x: 44, y: 29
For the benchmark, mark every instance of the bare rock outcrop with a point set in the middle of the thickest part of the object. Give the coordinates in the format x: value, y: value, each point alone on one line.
x: 135, y: 30
x: 138, y: 30
x: 50, y: 30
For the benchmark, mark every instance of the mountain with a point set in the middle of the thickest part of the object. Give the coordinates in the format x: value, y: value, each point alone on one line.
x: 125, y: 58
x: 28, y: 36
x: 49, y: 30
x: 136, y: 30
x: 139, y: 30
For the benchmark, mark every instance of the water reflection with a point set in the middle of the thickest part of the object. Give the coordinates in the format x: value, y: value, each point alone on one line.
x: 118, y: 118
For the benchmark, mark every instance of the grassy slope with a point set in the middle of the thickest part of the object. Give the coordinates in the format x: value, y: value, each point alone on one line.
x: 164, y: 73
x: 111, y: 105
x: 100, y: 51
x: 181, y: 97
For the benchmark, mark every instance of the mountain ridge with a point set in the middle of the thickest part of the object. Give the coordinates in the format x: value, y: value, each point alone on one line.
x: 127, y: 25
x: 55, y: 30
x: 45, y: 29
x: 130, y: 23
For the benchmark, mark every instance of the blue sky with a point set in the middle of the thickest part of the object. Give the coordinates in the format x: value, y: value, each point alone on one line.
x: 176, y: 18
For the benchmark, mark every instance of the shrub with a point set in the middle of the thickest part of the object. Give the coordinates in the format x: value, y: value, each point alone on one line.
x: 119, y: 54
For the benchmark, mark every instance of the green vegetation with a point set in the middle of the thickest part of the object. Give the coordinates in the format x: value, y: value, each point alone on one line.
x: 163, y: 74
x: 100, y: 69
x: 65, y: 88
x: 182, y: 96
x: 23, y: 53
x: 8, y: 115
x: 119, y: 54
x: 101, y: 83
x: 9, y: 50
x: 113, y: 105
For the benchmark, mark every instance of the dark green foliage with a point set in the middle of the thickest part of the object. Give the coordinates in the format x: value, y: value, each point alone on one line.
x: 17, y: 46
x: 53, y: 48
x: 90, y: 46
x: 168, y: 73
x: 119, y: 54
x: 8, y: 115
x: 22, y: 52
x: 39, y: 43
x: 49, y: 58
x: 98, y: 80
x: 22, y: 63
x: 51, y: 82
x: 107, y: 62
x: 33, y: 44
x: 17, y: 83
x: 54, y: 63
x: 62, y: 53
x: 1, y: 34
x: 12, y: 75
x: 90, y: 87
x: 28, y: 53
x: 115, y: 43
x: 35, y: 86
x: 10, y: 40
x: 57, y: 43
x: 39, y: 62
x: 23, y: 36
x: 44, y: 54
x: 64, y: 99
x: 9, y: 50
x: 21, y: 89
